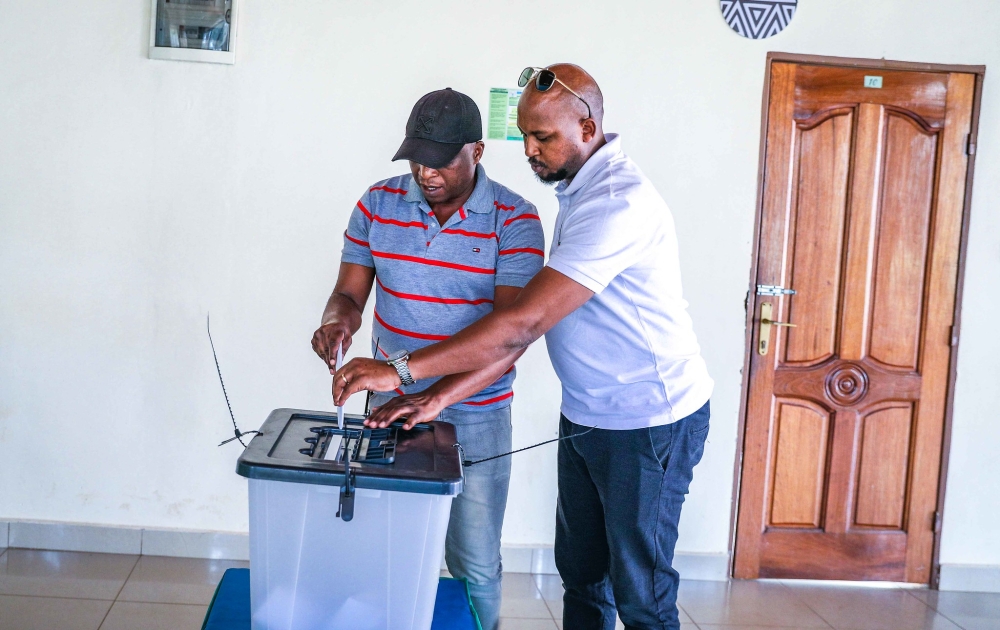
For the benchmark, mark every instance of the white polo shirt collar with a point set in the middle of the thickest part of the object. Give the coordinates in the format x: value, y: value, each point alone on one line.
x: 597, y: 162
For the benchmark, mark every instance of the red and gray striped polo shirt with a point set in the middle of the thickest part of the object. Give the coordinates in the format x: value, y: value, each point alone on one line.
x: 433, y: 280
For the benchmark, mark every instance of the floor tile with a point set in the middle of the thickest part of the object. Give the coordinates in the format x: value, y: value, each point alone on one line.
x: 133, y: 615
x: 972, y: 611
x: 64, y: 573
x: 51, y: 613
x: 858, y: 608
x: 555, y: 608
x: 550, y: 586
x: 509, y: 623
x: 683, y: 616
x: 684, y: 626
x: 176, y: 580
x: 522, y: 599
x: 521, y: 585
x: 745, y: 602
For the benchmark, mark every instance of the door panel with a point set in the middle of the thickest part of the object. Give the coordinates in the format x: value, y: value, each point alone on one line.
x: 862, y: 205
x: 885, y: 458
x: 901, y: 259
x: 923, y: 93
x: 820, y: 210
x: 799, y: 468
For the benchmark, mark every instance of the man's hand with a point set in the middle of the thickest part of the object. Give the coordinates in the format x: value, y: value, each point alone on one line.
x: 342, y: 315
x: 361, y: 374
x: 411, y: 408
x: 326, y: 339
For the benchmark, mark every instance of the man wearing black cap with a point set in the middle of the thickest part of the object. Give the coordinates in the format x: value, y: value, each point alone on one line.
x: 446, y: 246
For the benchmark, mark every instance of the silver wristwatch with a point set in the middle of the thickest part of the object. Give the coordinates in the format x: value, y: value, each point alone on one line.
x: 398, y: 360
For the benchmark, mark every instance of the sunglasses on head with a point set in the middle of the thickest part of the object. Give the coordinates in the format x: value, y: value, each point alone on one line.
x: 544, y: 80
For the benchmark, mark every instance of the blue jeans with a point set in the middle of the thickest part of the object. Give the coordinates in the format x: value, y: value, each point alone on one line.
x: 472, y: 547
x: 620, y: 497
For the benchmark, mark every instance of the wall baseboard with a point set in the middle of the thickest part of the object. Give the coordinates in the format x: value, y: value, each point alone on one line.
x: 183, y: 543
x: 236, y: 546
x: 981, y: 578
x: 131, y: 540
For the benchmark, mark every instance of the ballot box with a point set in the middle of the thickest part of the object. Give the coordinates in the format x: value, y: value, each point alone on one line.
x: 347, y: 524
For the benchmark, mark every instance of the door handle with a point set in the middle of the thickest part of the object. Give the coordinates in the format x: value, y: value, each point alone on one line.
x: 764, y: 343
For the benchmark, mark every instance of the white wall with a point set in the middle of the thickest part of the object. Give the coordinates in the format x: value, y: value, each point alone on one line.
x: 137, y: 195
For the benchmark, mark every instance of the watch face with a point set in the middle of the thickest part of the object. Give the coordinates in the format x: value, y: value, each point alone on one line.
x: 397, y: 355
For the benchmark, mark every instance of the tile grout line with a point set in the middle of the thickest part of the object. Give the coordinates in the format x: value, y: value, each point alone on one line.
x: 934, y: 609
x: 538, y: 590
x: 82, y: 599
x: 552, y: 615
x: 805, y: 603
x: 115, y: 600
x: 688, y: 615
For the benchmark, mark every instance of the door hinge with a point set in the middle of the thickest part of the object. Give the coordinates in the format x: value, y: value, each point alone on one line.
x: 937, y: 522
x: 769, y: 289
x: 953, y: 336
x: 970, y: 144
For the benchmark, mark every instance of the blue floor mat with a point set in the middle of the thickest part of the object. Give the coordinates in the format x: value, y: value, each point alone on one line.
x: 230, y: 608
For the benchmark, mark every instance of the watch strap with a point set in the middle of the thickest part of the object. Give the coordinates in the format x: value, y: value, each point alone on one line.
x: 403, y: 370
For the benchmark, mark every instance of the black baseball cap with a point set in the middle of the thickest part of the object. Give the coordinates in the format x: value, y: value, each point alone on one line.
x: 440, y: 124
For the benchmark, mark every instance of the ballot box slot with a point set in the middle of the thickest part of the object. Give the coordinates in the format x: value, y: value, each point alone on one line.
x: 368, y: 446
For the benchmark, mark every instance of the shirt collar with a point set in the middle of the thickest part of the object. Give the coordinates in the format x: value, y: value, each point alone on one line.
x: 596, y: 163
x: 480, y: 202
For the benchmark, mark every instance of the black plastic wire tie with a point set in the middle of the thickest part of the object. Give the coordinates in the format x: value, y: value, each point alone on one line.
x: 236, y: 430
x: 466, y: 462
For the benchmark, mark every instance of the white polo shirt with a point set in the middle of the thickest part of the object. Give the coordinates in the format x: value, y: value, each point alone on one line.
x: 628, y: 358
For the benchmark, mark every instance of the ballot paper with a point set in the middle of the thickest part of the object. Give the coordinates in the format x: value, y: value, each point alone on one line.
x: 340, y: 408
x: 334, y: 448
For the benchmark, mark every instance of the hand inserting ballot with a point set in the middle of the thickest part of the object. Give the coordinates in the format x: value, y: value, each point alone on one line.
x: 327, y: 338
x: 363, y: 374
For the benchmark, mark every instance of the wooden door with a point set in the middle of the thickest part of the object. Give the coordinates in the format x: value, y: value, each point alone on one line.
x: 861, y: 216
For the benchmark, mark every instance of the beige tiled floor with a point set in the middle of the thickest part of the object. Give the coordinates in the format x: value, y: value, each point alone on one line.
x: 50, y: 590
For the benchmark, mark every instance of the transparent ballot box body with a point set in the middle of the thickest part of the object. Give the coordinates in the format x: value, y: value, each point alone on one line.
x: 311, y: 569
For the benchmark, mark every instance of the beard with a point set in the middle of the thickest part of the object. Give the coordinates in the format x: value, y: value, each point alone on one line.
x: 552, y: 177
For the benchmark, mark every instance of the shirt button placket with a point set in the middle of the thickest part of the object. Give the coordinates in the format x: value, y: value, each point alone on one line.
x: 430, y: 222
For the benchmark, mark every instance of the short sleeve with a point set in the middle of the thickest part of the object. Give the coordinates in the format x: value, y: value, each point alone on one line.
x: 522, y: 247
x: 598, y: 241
x: 356, y: 249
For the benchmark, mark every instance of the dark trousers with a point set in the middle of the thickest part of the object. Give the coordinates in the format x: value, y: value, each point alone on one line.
x: 620, y: 497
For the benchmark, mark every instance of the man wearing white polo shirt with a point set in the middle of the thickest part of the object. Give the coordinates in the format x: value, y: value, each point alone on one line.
x: 635, y: 410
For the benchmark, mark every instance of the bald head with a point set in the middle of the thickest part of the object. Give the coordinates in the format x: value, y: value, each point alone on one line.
x: 577, y: 80
x: 559, y: 136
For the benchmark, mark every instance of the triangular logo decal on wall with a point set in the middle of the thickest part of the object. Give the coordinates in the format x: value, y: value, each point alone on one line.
x: 758, y: 19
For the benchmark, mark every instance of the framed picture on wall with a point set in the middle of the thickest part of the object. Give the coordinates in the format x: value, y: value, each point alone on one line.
x: 193, y: 30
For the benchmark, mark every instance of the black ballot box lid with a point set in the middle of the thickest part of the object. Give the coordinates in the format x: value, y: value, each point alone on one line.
x: 291, y: 445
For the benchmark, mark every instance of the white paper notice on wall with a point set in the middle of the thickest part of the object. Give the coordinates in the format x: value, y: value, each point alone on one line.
x: 503, y: 114
x: 873, y: 82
